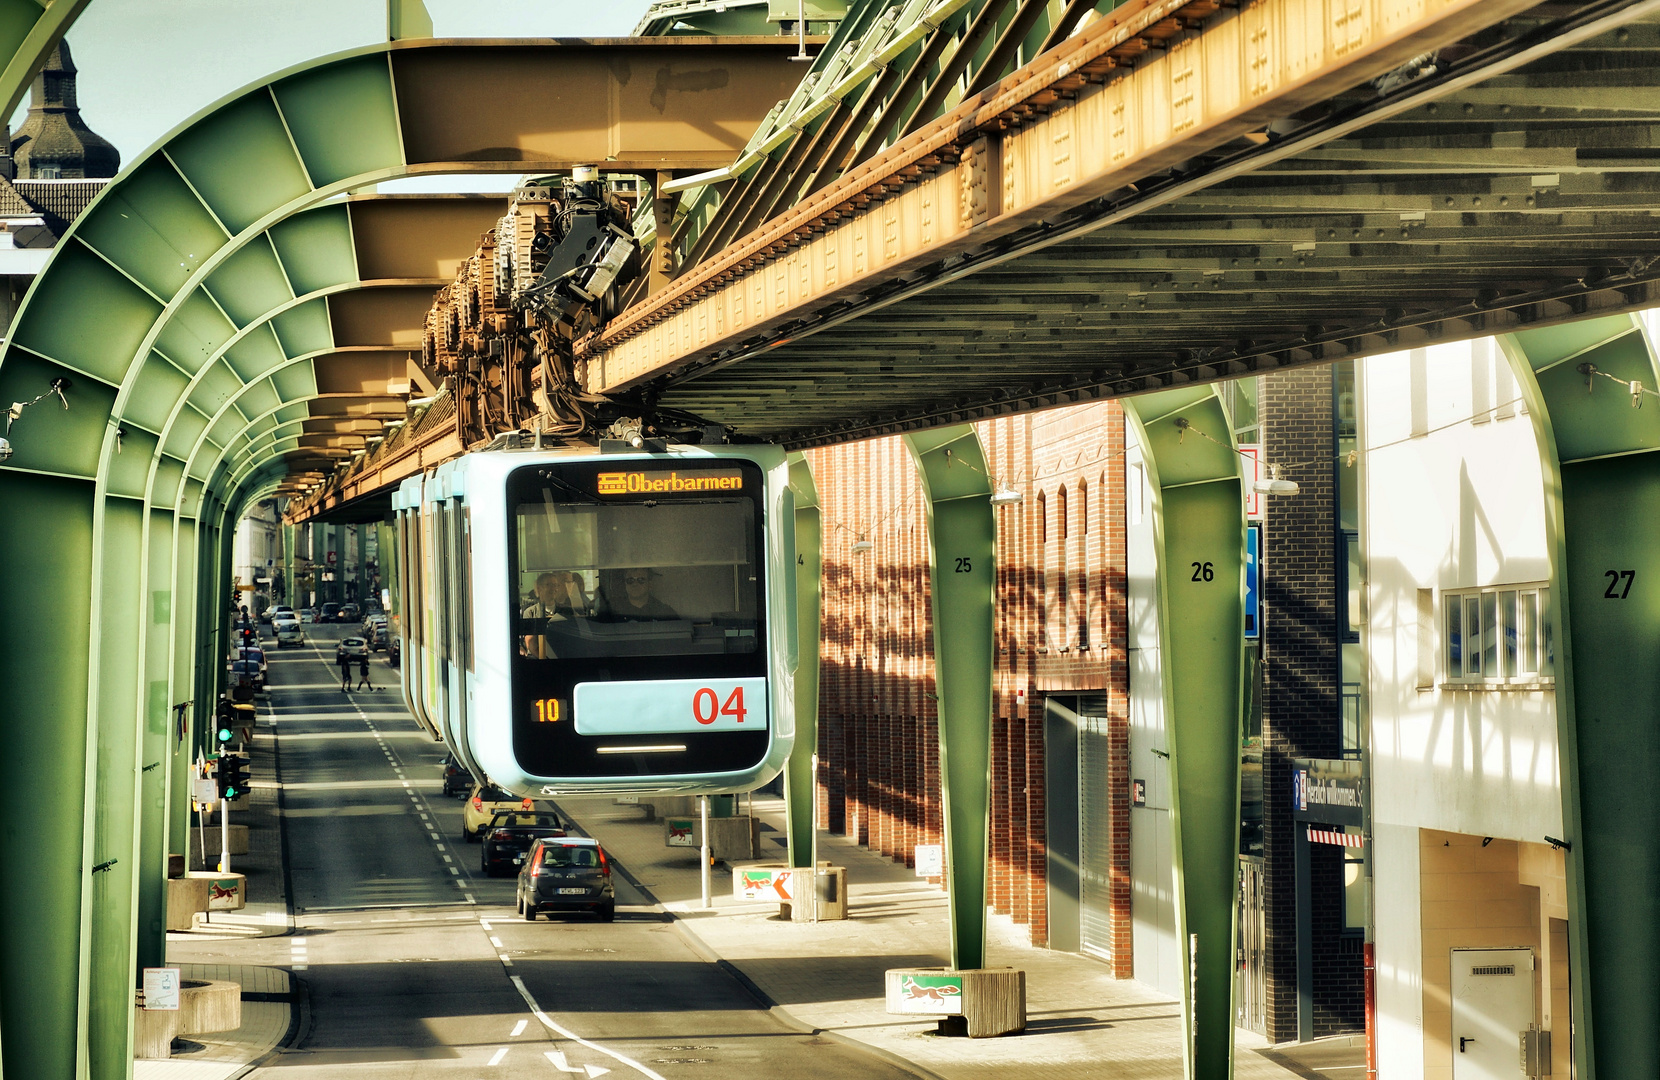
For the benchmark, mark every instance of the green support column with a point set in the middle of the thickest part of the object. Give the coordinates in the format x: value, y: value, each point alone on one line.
x: 800, y: 785
x: 362, y: 570
x: 112, y: 820
x: 45, y: 552
x: 290, y: 590
x: 962, y: 537
x: 155, y: 758
x: 1602, y: 517
x: 187, y: 618
x: 1199, y: 541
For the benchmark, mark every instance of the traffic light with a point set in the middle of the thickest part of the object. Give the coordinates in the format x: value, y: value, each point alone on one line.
x: 232, y: 776
x: 224, y: 726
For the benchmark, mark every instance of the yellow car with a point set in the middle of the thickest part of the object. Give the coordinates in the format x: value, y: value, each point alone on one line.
x: 483, y: 803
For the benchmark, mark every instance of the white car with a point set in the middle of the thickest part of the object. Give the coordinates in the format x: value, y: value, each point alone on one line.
x: 289, y: 632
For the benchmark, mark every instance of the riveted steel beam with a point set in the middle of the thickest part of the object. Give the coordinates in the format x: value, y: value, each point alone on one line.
x: 1198, y: 516
x: 1072, y: 127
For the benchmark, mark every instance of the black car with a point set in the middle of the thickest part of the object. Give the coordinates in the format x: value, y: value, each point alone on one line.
x: 348, y: 613
x: 329, y: 613
x: 456, y: 779
x: 566, y: 873
x: 510, y: 834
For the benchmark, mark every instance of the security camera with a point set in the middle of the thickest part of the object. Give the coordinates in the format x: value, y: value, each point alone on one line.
x: 5, y: 449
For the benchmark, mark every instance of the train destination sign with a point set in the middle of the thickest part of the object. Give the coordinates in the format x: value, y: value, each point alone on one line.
x: 669, y: 483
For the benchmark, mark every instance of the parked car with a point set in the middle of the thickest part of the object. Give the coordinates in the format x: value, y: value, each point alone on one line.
x: 353, y: 647
x: 309, y: 615
x: 289, y: 632
x: 484, y: 802
x: 375, y: 630
x: 508, y: 836
x: 394, y: 652
x: 566, y: 873
x: 247, y: 674
x: 348, y: 613
x: 456, y: 779
x: 328, y: 613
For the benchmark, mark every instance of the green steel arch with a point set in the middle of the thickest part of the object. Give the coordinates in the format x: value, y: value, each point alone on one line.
x: 29, y: 30
x: 189, y: 308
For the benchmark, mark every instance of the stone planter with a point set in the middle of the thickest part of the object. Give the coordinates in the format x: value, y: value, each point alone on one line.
x: 979, y: 1002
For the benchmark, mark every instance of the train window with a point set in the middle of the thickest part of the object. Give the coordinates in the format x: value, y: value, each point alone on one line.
x: 637, y: 579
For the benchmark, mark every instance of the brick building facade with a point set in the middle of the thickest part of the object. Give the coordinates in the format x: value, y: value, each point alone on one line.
x: 1301, y: 714
x: 1060, y: 627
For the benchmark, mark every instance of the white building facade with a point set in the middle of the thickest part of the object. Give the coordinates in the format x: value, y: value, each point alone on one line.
x: 1470, y: 917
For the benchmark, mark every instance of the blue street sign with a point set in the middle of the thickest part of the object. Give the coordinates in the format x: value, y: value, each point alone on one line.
x: 1253, y: 576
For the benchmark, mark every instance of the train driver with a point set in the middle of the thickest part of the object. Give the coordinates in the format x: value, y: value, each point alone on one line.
x: 636, y: 603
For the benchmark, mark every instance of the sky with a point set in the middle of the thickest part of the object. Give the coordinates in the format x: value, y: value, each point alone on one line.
x: 146, y: 66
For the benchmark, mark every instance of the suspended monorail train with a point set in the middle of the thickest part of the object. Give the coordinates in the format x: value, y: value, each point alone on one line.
x: 584, y: 622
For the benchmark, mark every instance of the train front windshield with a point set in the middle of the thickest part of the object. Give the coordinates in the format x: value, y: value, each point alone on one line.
x: 639, y: 642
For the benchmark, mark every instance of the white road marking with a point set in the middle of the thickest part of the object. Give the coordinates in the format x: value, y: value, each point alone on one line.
x: 496, y: 941
x: 435, y: 836
x: 504, y: 958
x: 453, y: 870
x: 440, y: 846
x: 499, y: 1054
x: 469, y: 896
x: 548, y: 1022
x: 519, y: 1028
x: 484, y: 923
x: 448, y: 859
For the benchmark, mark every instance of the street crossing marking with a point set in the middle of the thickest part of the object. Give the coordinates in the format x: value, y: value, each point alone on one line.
x: 519, y: 1028
x: 496, y: 1059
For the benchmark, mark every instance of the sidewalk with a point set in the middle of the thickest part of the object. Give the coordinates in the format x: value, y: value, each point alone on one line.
x: 269, y: 996
x: 829, y: 976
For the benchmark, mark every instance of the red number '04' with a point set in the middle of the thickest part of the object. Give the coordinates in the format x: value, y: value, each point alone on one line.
x: 734, y: 706
x: 697, y: 706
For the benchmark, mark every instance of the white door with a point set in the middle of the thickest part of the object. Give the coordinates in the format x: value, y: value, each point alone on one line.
x: 1492, y: 1004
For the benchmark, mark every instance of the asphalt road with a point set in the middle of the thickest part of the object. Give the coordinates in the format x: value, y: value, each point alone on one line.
x: 414, y: 963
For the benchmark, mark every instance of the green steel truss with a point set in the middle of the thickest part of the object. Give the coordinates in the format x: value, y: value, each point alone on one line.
x: 1199, y: 544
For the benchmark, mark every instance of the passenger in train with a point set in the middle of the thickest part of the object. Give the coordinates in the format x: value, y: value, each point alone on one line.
x: 559, y: 596
x: 636, y: 604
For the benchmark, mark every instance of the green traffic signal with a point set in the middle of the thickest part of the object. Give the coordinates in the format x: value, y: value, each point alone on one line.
x: 224, y: 734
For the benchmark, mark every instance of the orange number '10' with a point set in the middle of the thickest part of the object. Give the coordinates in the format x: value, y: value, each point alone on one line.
x: 706, y: 714
x: 547, y: 710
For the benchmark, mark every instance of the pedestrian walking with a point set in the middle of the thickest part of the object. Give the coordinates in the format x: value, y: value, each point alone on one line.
x: 363, y: 672
x: 345, y: 662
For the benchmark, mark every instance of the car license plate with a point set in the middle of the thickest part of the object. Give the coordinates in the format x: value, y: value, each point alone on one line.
x: 572, y: 892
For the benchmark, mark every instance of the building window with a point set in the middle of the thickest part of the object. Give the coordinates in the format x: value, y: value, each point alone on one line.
x: 1498, y: 635
x: 47, y: 172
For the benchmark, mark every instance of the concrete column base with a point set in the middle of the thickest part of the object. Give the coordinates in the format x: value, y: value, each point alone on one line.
x: 203, y: 1007
x: 978, y: 1003
x: 790, y: 887
x: 731, y: 839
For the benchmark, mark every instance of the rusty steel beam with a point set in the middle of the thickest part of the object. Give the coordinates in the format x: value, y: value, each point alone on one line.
x: 1133, y: 95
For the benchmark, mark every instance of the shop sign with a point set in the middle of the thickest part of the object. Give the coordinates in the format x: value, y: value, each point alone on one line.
x: 1327, y: 790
